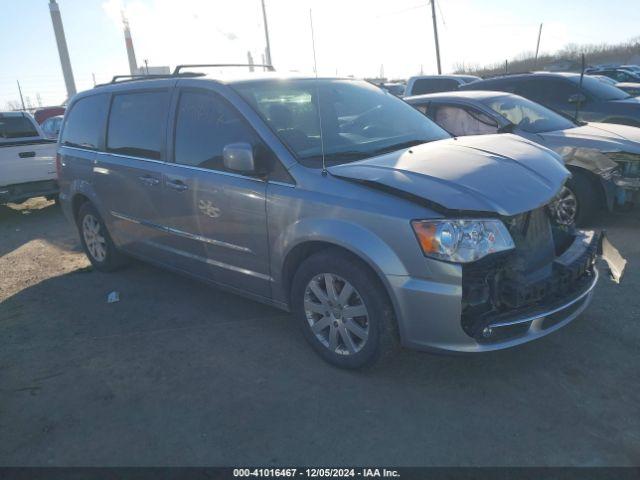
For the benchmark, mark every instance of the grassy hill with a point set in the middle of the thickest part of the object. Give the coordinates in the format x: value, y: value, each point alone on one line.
x: 566, y: 59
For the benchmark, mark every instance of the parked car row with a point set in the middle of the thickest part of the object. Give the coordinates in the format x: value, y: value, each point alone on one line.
x: 336, y: 200
x: 604, y: 159
x: 632, y: 88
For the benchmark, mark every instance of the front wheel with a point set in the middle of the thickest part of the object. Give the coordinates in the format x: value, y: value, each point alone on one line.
x: 343, y: 310
x: 96, y: 241
x: 577, y: 201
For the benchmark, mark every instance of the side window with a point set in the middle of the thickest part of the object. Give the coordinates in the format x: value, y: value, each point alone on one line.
x: 16, y: 126
x: 503, y: 86
x: 623, y: 77
x: 205, y: 124
x: 461, y: 121
x: 137, y: 124
x: 547, y: 90
x: 84, y: 124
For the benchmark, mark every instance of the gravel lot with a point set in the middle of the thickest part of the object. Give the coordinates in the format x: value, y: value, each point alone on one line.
x: 179, y: 373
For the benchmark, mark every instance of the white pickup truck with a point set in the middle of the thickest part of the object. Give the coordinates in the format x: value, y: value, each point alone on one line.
x: 27, y: 159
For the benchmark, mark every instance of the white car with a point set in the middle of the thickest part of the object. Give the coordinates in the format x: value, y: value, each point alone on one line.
x: 27, y: 159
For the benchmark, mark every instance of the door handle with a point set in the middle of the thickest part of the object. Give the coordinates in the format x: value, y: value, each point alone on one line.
x: 27, y: 154
x: 148, y: 180
x: 177, y: 185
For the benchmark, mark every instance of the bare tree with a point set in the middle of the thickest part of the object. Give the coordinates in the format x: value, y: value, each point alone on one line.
x: 567, y: 58
x: 13, y: 105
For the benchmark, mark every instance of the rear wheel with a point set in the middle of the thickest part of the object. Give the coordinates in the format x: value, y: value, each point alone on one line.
x: 343, y: 310
x: 96, y: 241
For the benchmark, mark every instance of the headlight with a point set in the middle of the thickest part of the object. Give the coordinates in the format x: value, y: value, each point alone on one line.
x: 462, y: 241
x: 629, y: 163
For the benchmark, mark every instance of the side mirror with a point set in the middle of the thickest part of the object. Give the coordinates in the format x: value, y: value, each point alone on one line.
x: 577, y: 98
x: 238, y: 157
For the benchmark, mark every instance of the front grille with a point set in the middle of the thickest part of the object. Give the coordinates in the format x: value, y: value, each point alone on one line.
x: 524, y: 278
x: 533, y: 238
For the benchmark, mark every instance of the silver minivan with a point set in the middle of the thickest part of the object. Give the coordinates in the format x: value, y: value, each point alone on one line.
x: 332, y: 199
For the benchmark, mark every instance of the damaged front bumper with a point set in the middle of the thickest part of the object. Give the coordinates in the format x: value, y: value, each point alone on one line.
x: 526, y: 309
x: 518, y: 312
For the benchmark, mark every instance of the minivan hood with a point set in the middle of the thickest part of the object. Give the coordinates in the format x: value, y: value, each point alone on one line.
x: 503, y: 174
x: 606, y: 137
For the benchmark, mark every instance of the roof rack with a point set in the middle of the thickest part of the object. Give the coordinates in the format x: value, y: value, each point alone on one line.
x: 176, y: 71
x: 133, y: 78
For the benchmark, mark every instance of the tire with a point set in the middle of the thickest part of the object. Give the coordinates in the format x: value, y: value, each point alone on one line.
x: 581, y: 192
x: 346, y: 342
x: 96, y: 241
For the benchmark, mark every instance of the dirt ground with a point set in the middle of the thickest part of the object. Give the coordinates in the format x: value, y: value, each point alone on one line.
x: 179, y: 373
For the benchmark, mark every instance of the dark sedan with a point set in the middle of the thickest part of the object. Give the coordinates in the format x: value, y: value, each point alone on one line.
x: 593, y: 100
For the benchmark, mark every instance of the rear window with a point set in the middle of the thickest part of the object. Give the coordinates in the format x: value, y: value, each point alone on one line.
x: 84, y: 124
x: 137, y: 124
x: 16, y: 127
x: 433, y: 85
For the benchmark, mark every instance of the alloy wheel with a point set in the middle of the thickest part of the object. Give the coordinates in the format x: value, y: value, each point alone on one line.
x: 93, y: 239
x: 336, y: 314
x: 565, y: 207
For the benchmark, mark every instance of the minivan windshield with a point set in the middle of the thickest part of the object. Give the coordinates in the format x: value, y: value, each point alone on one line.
x: 600, y: 90
x: 359, y: 120
x: 527, y: 115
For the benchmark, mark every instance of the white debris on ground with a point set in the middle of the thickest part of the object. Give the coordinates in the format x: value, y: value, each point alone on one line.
x: 113, y: 297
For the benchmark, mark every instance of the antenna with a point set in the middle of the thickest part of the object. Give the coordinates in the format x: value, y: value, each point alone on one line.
x: 315, y: 69
x: 580, y: 89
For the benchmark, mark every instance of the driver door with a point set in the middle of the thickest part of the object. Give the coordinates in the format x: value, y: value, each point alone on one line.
x: 216, y: 219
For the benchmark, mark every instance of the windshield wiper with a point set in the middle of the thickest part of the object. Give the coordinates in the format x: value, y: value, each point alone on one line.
x: 398, y: 146
x: 341, y: 156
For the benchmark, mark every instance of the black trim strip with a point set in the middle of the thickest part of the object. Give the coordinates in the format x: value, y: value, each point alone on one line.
x: 27, y: 142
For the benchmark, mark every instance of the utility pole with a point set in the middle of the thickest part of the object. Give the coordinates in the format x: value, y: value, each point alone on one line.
x: 20, y: 91
x: 131, y: 54
x: 435, y: 34
x: 58, y: 30
x: 250, y: 61
x: 538, y: 46
x: 267, y: 50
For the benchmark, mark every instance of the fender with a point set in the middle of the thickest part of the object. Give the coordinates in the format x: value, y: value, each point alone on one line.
x: 361, y: 242
x: 595, y: 162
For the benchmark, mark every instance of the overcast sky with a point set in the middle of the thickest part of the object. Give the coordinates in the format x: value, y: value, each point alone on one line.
x: 353, y: 37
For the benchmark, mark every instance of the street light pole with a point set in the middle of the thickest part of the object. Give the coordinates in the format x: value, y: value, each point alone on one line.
x: 435, y: 34
x: 266, y: 34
